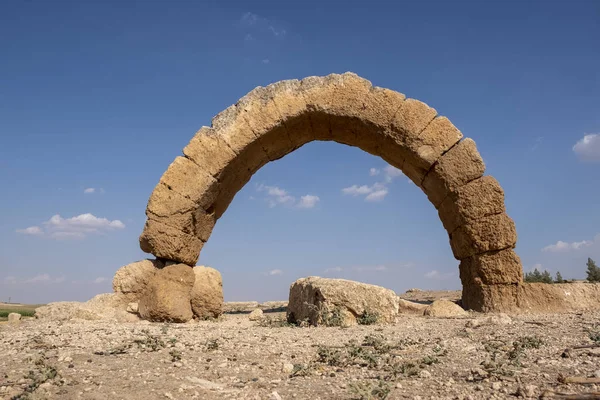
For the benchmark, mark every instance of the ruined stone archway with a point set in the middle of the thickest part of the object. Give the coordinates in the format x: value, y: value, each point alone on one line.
x: 270, y: 122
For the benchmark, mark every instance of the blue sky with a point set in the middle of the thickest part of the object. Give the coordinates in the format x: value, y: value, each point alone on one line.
x: 97, y: 98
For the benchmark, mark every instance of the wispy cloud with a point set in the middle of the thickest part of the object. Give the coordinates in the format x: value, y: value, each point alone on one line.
x: 274, y: 272
x: 537, y: 143
x: 275, y: 196
x: 40, y: 279
x: 334, y: 269
x: 437, y: 275
x: 378, y: 190
x: 32, y: 230
x: 76, y: 227
x: 100, y: 280
x: 261, y: 25
x: 588, y: 148
x: 308, y: 201
x: 561, y: 246
x: 370, y: 268
x: 92, y: 190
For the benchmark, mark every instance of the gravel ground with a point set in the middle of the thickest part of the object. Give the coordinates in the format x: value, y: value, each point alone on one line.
x: 478, y: 357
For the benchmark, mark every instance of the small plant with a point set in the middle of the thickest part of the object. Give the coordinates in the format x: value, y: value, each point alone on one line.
x: 595, y: 337
x: 370, y: 391
x: 367, y: 318
x: 175, y: 355
x: 212, y: 344
x: 269, y: 322
x: 409, y: 369
x: 333, y: 317
x: 149, y: 342
x: 301, y: 370
x: 330, y: 356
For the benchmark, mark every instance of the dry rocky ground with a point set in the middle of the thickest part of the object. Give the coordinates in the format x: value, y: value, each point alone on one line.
x: 476, y: 357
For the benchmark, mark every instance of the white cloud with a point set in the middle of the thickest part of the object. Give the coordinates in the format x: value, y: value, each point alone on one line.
x: 266, y: 61
x: 44, y: 278
x: 372, y: 268
x: 32, y: 230
x: 391, y: 173
x: 334, y: 269
x: 378, y: 190
x: 100, y: 280
x: 561, y: 246
x: 308, y: 201
x: 76, y: 227
x: 275, y: 272
x: 437, y: 275
x: 377, y: 195
x: 588, y: 148
x: 356, y: 190
x: 89, y: 190
x: 277, y: 196
x: 9, y: 280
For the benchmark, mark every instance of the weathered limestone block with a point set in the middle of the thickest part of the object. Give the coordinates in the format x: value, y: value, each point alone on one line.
x: 106, y: 306
x: 496, y: 267
x: 14, y: 318
x: 170, y: 208
x: 477, y: 199
x: 490, y: 298
x: 133, y: 278
x: 232, y: 181
x: 426, y: 147
x: 324, y: 301
x: 263, y: 117
x: 167, y: 242
x: 444, y: 309
x: 410, y: 307
x: 317, y: 93
x: 207, y: 293
x: 460, y: 165
x: 186, y: 178
x: 233, y: 128
x: 290, y: 102
x: 168, y: 295
x: 496, y: 232
x: 209, y: 151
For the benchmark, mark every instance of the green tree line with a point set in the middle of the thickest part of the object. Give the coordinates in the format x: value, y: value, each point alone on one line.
x: 593, y: 274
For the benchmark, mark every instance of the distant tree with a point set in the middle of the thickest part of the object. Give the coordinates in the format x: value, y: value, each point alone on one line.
x: 559, y: 278
x: 593, y: 272
x: 546, y: 277
x: 538, y: 277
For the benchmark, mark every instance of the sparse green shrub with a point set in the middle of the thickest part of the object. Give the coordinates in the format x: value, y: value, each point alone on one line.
x: 333, y: 317
x: 538, y: 277
x: 212, y: 344
x: 370, y: 391
x: 175, y: 355
x: 559, y: 278
x: 367, y: 318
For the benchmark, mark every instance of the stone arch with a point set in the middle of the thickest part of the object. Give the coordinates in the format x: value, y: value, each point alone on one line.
x: 272, y: 121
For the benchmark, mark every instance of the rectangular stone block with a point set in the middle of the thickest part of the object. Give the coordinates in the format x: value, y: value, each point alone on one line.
x: 209, y: 151
x: 496, y: 232
x: 477, y: 199
x: 460, y: 165
x: 496, y: 267
x: 232, y: 127
x: 192, y: 182
x: 411, y: 118
x: 167, y: 242
x: 292, y: 107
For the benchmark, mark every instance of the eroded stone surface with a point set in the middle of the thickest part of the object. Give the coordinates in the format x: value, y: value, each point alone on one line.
x: 460, y: 165
x: 133, y: 278
x: 167, y: 297
x: 496, y: 267
x: 324, y: 301
x: 496, y: 232
x: 480, y: 198
x: 444, y: 309
x: 170, y: 243
x: 207, y: 293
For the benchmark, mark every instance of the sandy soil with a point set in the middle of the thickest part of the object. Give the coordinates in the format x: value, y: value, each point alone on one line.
x: 478, y: 357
